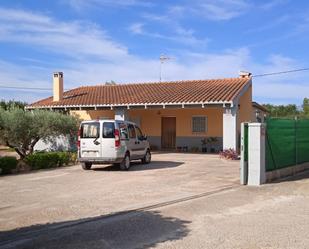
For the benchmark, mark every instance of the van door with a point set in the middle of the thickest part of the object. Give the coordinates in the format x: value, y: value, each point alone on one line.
x: 108, y: 140
x: 90, y: 140
x: 132, y: 144
x: 141, y: 143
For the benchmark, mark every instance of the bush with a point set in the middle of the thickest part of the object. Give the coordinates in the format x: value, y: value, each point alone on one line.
x: 229, y: 154
x: 45, y: 160
x: 7, y: 164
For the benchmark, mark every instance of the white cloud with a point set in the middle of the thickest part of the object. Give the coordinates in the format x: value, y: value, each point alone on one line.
x: 271, y: 25
x: 82, y: 4
x: 222, y: 9
x: 176, y: 31
x: 272, y: 4
x: 136, y: 28
x: 96, y: 58
x: 75, y: 39
x: 282, y: 88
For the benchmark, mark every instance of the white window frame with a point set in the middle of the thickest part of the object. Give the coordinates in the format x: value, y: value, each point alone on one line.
x: 206, y: 124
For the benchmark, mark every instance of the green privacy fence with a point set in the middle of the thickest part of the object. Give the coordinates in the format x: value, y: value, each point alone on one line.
x: 287, y: 142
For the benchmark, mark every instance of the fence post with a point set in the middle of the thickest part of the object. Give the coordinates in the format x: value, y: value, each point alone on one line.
x: 244, y: 154
x: 295, y: 139
x: 256, y: 157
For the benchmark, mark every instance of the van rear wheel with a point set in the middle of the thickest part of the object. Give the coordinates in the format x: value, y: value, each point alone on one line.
x: 125, y: 164
x: 86, y: 165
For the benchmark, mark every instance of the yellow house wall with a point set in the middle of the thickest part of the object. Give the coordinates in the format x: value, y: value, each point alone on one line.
x: 245, y: 106
x: 150, y: 119
x: 92, y: 114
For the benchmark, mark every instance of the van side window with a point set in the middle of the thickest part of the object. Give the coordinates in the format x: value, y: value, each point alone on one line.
x: 132, y: 133
x: 90, y: 130
x: 108, y: 130
x: 123, y: 131
x: 139, y: 133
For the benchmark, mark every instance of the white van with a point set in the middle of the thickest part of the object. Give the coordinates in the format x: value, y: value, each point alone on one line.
x: 111, y: 141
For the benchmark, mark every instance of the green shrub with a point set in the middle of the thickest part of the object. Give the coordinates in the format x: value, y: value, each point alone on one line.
x: 73, y: 157
x: 45, y: 160
x: 7, y: 164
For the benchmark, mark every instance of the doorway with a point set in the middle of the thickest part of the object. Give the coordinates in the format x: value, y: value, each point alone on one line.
x: 168, y: 133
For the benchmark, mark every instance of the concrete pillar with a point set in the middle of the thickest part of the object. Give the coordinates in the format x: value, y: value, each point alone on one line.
x: 230, y: 128
x: 256, y: 157
x: 121, y: 114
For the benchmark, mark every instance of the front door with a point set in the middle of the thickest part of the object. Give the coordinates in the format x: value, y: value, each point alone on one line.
x: 168, y: 139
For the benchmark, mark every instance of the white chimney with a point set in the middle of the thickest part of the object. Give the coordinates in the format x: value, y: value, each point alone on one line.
x: 244, y: 74
x: 58, y: 86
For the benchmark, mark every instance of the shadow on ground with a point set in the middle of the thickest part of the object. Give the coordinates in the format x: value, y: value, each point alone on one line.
x: 133, y: 229
x: 297, y: 177
x: 136, y: 166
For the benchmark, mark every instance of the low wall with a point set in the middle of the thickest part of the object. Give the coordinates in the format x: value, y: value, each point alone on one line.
x: 285, y: 172
x: 60, y: 143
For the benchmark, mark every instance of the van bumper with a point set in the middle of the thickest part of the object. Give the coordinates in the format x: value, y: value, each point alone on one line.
x: 100, y: 160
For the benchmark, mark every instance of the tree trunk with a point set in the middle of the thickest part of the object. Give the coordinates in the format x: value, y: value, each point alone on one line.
x: 32, y: 144
x: 21, y: 154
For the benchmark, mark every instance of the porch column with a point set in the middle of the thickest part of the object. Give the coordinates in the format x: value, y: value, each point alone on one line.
x: 230, y: 128
x: 121, y: 114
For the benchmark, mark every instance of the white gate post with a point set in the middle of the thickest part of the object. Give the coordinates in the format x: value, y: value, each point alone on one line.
x: 230, y: 128
x: 256, y: 160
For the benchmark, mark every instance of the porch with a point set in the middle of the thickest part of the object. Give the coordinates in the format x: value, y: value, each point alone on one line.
x: 208, y: 128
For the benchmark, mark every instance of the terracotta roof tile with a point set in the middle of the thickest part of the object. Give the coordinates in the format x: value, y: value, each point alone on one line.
x: 190, y: 91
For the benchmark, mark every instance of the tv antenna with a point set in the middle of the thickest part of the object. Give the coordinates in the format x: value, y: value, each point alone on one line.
x: 163, y: 58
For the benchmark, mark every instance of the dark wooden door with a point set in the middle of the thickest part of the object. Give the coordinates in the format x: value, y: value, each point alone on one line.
x: 168, y: 132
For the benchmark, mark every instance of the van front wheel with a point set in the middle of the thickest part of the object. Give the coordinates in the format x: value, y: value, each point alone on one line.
x: 86, y: 165
x: 147, y: 158
x: 125, y: 164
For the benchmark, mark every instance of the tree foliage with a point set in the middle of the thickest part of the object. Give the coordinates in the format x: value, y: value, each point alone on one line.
x: 11, y: 104
x: 306, y: 107
x: 21, y: 129
x: 290, y: 110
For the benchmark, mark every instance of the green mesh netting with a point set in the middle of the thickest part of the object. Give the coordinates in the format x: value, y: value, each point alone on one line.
x: 287, y: 143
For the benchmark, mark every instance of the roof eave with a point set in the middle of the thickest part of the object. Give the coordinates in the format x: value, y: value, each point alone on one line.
x: 128, y: 106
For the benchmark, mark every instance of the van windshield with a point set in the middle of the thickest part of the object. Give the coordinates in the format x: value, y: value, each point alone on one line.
x: 90, y: 130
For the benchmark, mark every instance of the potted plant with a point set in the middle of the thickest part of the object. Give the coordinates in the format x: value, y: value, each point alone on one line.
x: 212, y: 141
x: 209, y: 141
x: 204, y: 145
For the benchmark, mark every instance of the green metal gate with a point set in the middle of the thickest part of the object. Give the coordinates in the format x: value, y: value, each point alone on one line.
x: 244, y: 154
x: 287, y: 142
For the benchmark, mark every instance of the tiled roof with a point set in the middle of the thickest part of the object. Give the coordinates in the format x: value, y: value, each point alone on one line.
x: 177, y: 92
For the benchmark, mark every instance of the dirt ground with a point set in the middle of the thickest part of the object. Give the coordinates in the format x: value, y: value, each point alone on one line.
x: 179, y: 201
x: 71, y: 193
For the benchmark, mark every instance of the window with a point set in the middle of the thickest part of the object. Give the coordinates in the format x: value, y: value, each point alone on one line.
x: 123, y: 131
x: 90, y: 130
x: 132, y: 133
x: 139, y: 133
x: 199, y: 124
x: 108, y: 130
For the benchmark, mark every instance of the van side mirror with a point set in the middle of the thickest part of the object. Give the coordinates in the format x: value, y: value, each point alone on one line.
x: 145, y: 137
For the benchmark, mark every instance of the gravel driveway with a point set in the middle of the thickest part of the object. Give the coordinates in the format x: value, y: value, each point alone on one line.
x: 71, y: 193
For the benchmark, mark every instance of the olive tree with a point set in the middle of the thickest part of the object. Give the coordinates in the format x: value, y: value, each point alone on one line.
x: 21, y: 129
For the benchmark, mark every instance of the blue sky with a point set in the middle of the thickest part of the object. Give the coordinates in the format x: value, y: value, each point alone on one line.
x: 94, y: 41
